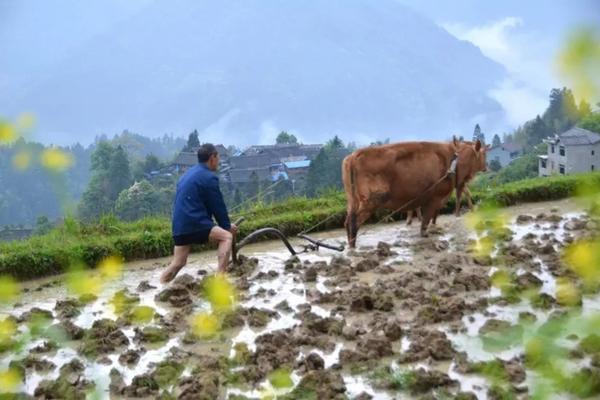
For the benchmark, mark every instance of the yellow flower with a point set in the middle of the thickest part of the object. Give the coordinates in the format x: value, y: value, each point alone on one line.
x: 111, y: 267
x: 7, y: 132
x: 26, y: 121
x: 142, y: 314
x: 281, y: 379
x: 204, y: 325
x: 81, y: 282
x: 9, y: 289
x: 583, y: 259
x: 567, y: 294
x: 219, y: 292
x: 10, y: 380
x: 56, y: 160
x: 8, y: 328
x: 22, y: 160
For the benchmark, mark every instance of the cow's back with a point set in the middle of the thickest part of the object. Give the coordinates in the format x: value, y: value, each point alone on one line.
x: 391, y: 175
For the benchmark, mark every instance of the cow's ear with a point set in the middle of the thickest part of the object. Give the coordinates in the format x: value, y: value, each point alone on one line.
x: 477, y: 145
x: 454, y: 141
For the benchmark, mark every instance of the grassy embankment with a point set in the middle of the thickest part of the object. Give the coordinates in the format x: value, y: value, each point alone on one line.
x: 73, y: 242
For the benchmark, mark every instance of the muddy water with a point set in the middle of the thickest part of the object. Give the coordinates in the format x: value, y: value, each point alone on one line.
x: 267, y: 294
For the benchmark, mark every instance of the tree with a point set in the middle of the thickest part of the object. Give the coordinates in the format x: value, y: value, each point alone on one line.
x: 149, y: 164
x: 110, y: 175
x: 478, y: 135
x: 591, y: 122
x: 495, y: 165
x: 584, y: 109
x: 286, y: 138
x: 119, y: 173
x: 193, y: 141
x: 325, y: 171
x: 562, y: 112
x: 138, y: 201
x: 42, y: 226
x: 496, y: 141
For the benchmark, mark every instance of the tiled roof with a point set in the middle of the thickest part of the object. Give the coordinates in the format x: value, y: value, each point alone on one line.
x: 578, y: 136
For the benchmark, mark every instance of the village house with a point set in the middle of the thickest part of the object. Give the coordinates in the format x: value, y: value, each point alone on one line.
x: 504, y: 153
x: 576, y: 150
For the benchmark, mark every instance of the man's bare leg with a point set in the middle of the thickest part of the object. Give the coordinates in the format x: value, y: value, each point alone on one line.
x: 180, y: 255
x: 224, y: 239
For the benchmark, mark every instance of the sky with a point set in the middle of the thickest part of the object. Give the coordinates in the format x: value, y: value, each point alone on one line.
x: 523, y: 36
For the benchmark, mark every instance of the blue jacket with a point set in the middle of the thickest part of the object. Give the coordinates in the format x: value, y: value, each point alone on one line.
x: 198, y: 199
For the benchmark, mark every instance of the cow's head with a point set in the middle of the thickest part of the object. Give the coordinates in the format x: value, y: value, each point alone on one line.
x: 481, y: 152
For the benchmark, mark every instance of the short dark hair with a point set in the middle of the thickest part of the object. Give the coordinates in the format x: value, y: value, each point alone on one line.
x: 205, y: 151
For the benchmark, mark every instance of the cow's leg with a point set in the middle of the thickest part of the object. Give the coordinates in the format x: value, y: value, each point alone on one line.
x: 351, y: 227
x: 409, y: 217
x: 459, y: 190
x: 468, y: 196
x: 428, y: 211
x: 419, y: 214
x: 435, y: 215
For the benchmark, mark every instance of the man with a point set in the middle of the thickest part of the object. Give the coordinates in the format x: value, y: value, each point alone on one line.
x: 198, y: 199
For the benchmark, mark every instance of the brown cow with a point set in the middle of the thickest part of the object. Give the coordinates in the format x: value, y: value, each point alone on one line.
x: 465, y: 172
x: 393, y: 175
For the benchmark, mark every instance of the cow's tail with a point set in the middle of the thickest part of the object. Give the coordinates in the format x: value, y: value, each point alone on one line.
x: 349, y: 180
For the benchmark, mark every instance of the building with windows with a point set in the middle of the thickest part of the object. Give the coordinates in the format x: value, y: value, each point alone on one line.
x: 573, y: 151
x: 504, y: 153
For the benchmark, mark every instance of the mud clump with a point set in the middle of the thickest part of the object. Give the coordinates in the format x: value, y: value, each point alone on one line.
x: 35, y: 363
x: 200, y: 387
x: 422, y: 380
x: 425, y: 344
x: 45, y: 347
x: 176, y: 295
x: 151, y: 334
x: 36, y: 315
x: 464, y: 281
x: 102, y: 338
x: 273, y: 350
x: 70, y: 383
x: 244, y: 267
x: 313, y: 362
x: 130, y: 357
x: 69, y: 308
x: 144, y: 286
x: 327, y: 325
x: 363, y: 298
x: 259, y: 318
x: 65, y: 330
x: 141, y: 386
x: 524, y: 219
x: 321, y: 384
x: 443, y: 310
x: 375, y: 346
x: 310, y: 275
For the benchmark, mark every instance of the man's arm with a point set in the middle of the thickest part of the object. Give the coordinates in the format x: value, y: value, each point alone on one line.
x: 216, y: 204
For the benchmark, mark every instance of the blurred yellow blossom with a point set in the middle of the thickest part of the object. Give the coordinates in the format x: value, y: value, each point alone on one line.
x: 10, y: 380
x: 56, y: 160
x: 219, y: 292
x: 25, y: 121
x: 9, y: 289
x: 281, y: 378
x: 7, y: 132
x: 142, y: 314
x: 579, y: 62
x: 81, y: 281
x: 583, y: 258
x: 22, y: 160
x: 567, y: 293
x: 111, y: 267
x: 8, y: 328
x: 204, y: 325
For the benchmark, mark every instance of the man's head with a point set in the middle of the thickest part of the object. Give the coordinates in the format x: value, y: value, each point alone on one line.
x: 208, y: 154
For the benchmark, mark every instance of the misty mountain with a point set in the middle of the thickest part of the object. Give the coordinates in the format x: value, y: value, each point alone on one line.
x: 240, y: 70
